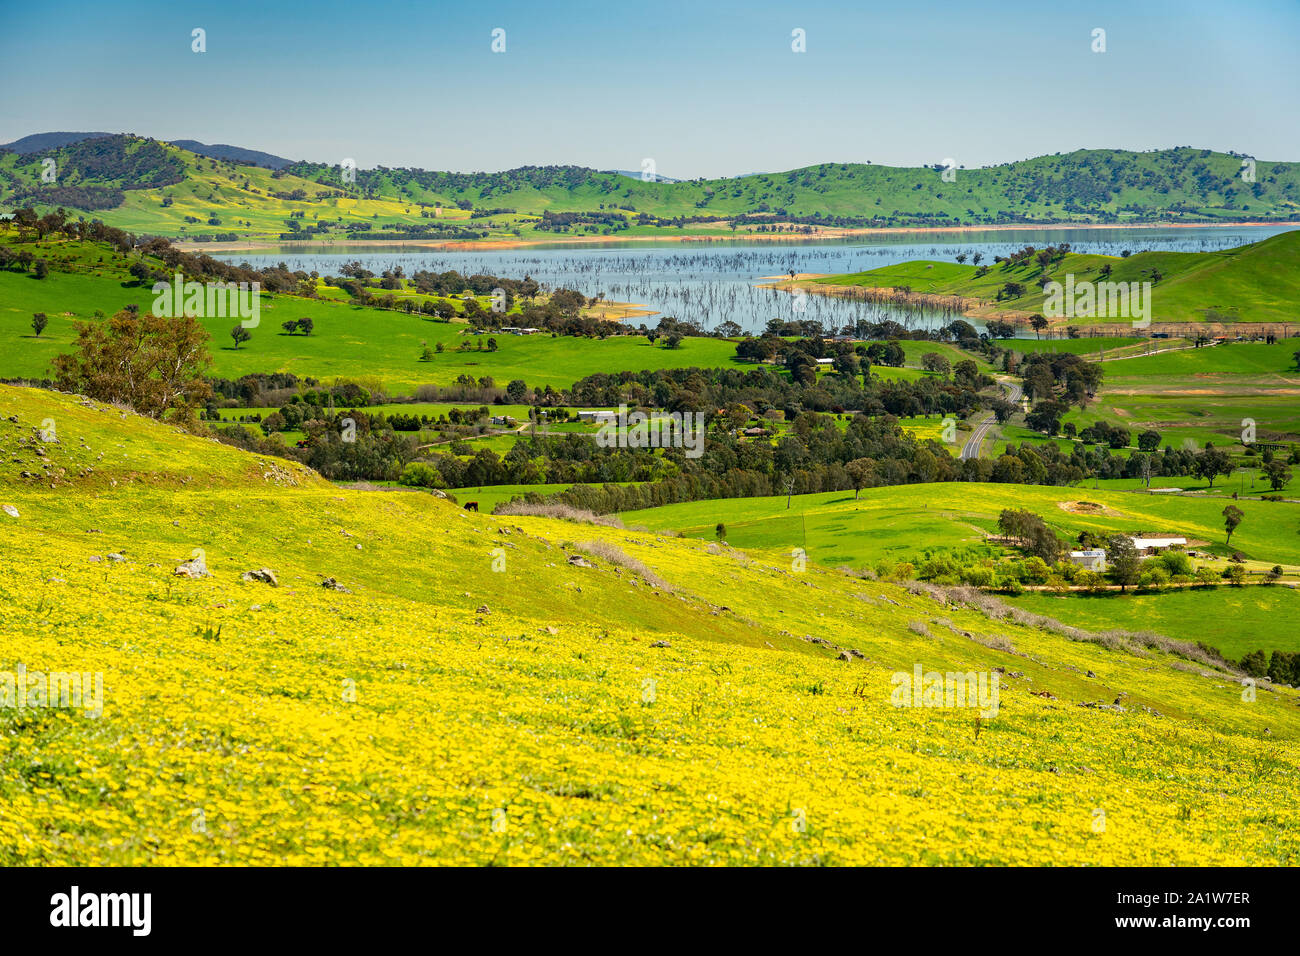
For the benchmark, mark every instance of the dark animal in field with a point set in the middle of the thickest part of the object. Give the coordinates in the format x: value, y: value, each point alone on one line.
x: 471, y: 506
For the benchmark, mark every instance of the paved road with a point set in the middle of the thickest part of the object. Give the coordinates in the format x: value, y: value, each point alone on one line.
x: 973, y: 444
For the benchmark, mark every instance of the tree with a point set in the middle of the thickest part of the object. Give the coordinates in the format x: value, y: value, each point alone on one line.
x: 1149, y: 441
x: 1236, y: 574
x: 1255, y: 664
x: 1277, y: 473
x: 1003, y: 410
x: 1205, y: 577
x: 39, y: 321
x: 492, y: 344
x: 41, y: 269
x: 934, y: 362
x: 240, y: 334
x: 1045, y: 417
x: 1232, y: 516
x: 290, y: 327
x: 861, y: 472
x: 306, y: 325
x: 675, y: 340
x: 1122, y: 557
x: 1144, y: 468
x: 721, y: 531
x: 1039, y: 323
x: 152, y: 363
x: 1210, y: 463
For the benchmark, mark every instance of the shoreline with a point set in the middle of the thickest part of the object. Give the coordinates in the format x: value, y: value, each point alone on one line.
x: 823, y: 235
x: 984, y: 310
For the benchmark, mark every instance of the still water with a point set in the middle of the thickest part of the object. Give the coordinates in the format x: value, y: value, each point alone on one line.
x: 712, y: 281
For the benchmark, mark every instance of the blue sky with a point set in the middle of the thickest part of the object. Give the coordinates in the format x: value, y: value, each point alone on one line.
x: 705, y: 89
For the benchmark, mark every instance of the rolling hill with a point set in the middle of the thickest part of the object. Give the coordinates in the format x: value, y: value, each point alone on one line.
x: 157, y: 188
x: 421, y: 685
x: 1258, y: 282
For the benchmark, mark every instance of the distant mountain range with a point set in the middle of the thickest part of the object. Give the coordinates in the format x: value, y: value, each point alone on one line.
x: 192, y: 190
x: 39, y: 142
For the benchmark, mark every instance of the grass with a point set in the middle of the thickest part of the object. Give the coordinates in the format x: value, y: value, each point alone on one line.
x: 895, y: 523
x: 1235, y: 621
x: 348, y: 341
x: 1203, y: 394
x: 597, y: 716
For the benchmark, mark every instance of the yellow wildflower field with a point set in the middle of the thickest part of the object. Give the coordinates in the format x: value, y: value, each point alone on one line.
x: 480, y: 690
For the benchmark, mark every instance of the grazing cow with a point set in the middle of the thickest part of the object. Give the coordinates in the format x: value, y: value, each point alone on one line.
x: 471, y: 506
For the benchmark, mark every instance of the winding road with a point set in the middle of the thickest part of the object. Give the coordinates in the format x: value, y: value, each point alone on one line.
x: 976, y: 441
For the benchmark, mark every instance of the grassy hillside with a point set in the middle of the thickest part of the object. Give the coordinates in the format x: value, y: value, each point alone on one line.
x: 158, y: 188
x: 888, y: 526
x: 1257, y: 282
x: 663, y: 704
x: 895, y: 522
x: 1203, y: 394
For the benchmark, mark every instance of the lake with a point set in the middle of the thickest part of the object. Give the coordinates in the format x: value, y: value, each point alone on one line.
x: 712, y: 281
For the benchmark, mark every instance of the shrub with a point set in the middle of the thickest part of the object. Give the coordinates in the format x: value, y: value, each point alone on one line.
x: 615, y: 555
x: 558, y: 510
x: 417, y: 474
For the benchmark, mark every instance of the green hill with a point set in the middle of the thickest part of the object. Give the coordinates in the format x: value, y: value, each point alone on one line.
x: 152, y: 187
x: 470, y: 689
x: 1257, y: 282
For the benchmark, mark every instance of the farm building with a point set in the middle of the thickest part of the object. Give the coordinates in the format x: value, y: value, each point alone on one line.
x: 1092, y: 560
x: 1156, y: 545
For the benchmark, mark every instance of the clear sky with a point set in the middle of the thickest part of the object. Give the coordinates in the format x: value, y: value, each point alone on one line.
x: 703, y: 88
